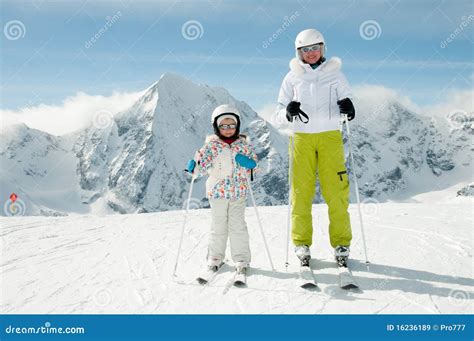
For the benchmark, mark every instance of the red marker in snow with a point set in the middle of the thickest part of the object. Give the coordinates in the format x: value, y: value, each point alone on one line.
x: 13, y: 197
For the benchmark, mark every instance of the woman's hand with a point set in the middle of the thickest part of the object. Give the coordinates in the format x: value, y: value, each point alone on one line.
x: 292, y: 110
x: 346, y: 108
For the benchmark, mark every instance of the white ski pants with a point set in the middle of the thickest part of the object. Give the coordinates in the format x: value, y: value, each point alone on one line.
x: 228, y: 220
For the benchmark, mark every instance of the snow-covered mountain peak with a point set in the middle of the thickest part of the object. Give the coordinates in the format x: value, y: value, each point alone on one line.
x: 133, y: 161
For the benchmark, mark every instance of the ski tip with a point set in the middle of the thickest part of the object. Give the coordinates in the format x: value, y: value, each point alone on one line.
x: 240, y: 284
x: 201, y: 281
x: 350, y: 286
x: 310, y: 286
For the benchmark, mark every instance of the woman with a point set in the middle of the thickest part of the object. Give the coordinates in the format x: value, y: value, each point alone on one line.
x: 312, y: 96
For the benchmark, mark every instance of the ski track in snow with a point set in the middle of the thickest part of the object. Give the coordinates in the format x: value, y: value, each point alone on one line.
x: 124, y: 264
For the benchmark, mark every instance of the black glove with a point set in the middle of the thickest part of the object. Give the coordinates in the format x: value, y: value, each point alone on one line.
x: 346, y: 107
x: 292, y: 110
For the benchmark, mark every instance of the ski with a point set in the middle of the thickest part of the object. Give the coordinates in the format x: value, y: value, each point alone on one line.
x: 307, y: 278
x: 346, y: 280
x: 209, y: 275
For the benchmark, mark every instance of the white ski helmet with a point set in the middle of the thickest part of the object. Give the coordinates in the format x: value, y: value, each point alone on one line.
x: 309, y: 37
x: 225, y: 109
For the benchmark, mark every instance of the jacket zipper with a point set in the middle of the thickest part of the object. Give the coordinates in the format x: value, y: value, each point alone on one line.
x: 330, y: 98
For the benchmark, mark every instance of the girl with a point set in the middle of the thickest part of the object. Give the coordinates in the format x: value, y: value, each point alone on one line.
x: 227, y: 158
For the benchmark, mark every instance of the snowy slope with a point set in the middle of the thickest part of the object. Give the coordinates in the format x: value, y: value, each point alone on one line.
x: 421, y: 257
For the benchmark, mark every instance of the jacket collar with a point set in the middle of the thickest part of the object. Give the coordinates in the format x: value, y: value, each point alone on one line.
x: 214, y: 137
x: 299, y: 68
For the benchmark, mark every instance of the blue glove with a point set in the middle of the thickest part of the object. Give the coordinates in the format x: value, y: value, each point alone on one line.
x: 245, y: 161
x: 190, y: 166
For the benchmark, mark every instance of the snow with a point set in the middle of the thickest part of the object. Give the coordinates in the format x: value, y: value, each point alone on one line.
x: 420, y: 254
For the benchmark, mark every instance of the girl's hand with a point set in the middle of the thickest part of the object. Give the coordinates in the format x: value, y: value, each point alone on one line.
x: 245, y: 161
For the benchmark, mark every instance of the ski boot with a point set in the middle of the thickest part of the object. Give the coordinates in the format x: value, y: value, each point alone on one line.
x: 214, y: 264
x: 341, y: 254
x: 241, y: 268
x: 303, y: 253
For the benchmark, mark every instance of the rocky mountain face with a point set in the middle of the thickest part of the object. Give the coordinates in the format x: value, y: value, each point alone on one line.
x: 133, y: 161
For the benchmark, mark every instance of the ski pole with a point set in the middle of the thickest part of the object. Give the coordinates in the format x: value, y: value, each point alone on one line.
x: 356, y: 187
x: 259, y: 222
x: 288, y: 228
x: 184, y: 224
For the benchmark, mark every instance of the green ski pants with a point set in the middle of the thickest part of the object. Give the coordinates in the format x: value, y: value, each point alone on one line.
x: 322, y: 154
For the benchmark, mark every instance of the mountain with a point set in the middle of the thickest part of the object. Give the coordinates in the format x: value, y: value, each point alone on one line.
x: 40, y: 169
x: 132, y: 161
x: 400, y: 153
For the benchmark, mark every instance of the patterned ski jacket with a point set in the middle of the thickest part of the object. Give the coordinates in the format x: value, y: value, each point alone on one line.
x: 227, y: 179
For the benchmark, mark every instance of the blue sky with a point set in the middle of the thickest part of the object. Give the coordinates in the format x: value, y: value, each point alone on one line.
x: 50, y: 59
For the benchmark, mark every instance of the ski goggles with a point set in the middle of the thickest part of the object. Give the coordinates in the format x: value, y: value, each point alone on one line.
x: 227, y: 126
x: 315, y: 47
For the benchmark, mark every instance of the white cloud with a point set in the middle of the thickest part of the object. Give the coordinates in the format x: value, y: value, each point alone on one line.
x: 456, y: 101
x: 267, y: 111
x: 75, y: 113
x: 376, y: 98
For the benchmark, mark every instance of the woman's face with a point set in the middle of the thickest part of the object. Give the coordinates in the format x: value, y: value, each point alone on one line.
x: 227, y: 132
x: 311, y: 57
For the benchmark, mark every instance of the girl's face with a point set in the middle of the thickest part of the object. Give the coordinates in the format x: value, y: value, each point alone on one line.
x: 227, y: 132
